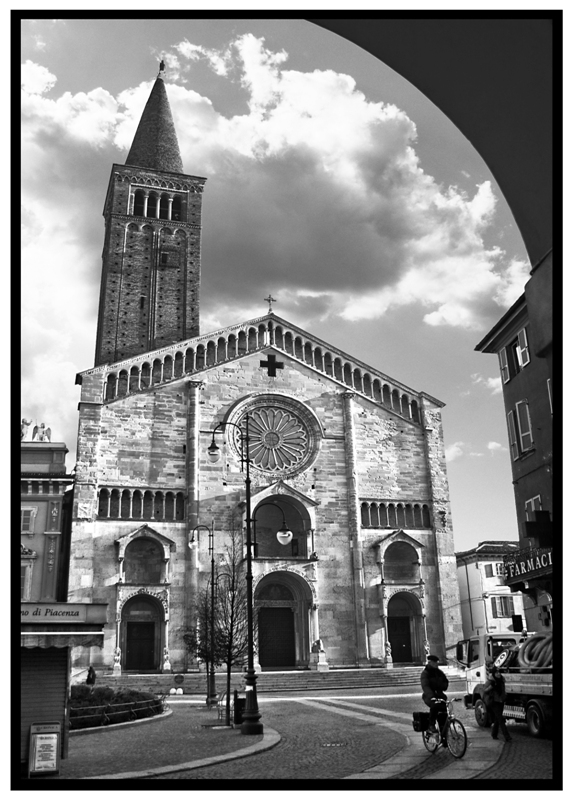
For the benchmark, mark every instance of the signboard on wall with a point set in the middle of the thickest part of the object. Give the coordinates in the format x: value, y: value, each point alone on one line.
x: 53, y: 612
x: 45, y: 743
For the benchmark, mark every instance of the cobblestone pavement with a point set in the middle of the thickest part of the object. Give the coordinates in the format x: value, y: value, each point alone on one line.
x: 190, y: 733
x: 524, y: 758
x: 347, y: 735
x: 314, y: 745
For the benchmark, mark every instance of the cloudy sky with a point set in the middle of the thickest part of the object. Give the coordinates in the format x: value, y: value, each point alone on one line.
x: 332, y: 183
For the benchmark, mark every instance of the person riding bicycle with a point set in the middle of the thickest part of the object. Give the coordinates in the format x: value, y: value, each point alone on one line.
x: 434, y: 684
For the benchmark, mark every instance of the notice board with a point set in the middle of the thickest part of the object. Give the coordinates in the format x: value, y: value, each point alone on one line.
x: 45, y: 742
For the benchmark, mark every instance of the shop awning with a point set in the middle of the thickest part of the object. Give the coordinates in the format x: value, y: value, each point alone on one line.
x: 62, y: 639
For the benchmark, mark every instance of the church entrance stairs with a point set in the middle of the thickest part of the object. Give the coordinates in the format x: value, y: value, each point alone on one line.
x: 276, y: 681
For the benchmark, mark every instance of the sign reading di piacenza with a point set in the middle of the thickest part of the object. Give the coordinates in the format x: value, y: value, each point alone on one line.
x: 53, y: 612
x: 528, y: 563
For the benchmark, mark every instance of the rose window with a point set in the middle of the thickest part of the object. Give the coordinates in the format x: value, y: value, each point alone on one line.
x: 278, y: 439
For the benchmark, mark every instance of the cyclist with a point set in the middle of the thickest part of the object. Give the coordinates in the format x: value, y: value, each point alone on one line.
x: 434, y: 684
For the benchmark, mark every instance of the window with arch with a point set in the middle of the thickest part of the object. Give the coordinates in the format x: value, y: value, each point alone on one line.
x: 143, y: 561
x: 401, y: 563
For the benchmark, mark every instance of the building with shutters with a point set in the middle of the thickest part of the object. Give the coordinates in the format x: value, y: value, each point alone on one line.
x: 350, y: 459
x: 523, y: 342
x: 487, y: 604
x: 50, y: 627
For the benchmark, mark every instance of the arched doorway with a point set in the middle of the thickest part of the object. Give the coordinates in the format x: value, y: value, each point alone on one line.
x: 405, y: 628
x: 276, y: 628
x: 141, y: 630
x: 283, y: 603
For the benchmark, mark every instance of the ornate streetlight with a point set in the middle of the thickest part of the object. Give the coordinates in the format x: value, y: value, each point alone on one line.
x: 251, y: 715
x: 212, y: 688
x: 251, y: 724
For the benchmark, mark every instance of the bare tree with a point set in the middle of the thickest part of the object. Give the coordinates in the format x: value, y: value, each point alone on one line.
x: 231, y: 618
x: 198, y: 639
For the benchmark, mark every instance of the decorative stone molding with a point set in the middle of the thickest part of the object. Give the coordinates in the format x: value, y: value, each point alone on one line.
x: 285, y: 567
x: 284, y: 433
x: 124, y: 594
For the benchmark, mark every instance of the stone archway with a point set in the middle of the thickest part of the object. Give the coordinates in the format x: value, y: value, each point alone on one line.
x: 406, y: 628
x: 283, y: 606
x: 141, y: 634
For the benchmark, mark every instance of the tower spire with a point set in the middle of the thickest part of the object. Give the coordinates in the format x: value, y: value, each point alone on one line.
x: 155, y: 144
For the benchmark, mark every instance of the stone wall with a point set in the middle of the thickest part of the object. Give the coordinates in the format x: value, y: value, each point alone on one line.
x: 142, y: 440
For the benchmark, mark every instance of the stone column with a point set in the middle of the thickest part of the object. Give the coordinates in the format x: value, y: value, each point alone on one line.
x: 443, y: 620
x: 354, y: 532
x: 192, y: 515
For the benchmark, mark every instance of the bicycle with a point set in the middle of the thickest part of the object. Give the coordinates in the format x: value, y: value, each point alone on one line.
x: 451, y: 733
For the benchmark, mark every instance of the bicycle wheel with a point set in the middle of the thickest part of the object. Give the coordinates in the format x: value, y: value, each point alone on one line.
x: 431, y: 741
x: 456, y: 738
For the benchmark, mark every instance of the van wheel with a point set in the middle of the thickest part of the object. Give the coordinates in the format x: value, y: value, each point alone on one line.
x: 481, y: 714
x: 535, y: 719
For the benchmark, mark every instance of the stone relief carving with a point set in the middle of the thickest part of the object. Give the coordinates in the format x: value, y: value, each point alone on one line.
x: 126, y: 594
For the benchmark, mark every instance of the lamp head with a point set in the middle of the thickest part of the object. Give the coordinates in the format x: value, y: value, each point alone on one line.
x: 213, y: 452
x: 284, y: 536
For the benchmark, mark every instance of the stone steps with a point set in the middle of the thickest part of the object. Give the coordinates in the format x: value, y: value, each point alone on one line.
x: 296, y: 680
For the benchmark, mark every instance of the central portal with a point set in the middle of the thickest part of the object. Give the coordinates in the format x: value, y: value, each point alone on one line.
x: 283, y: 606
x: 276, y: 638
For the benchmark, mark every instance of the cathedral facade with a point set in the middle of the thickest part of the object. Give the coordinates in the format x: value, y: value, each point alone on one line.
x: 350, y: 460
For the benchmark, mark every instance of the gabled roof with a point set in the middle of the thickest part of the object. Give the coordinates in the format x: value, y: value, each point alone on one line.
x: 269, y: 322
x: 145, y: 531
x: 491, y: 548
x: 155, y: 145
x: 280, y: 487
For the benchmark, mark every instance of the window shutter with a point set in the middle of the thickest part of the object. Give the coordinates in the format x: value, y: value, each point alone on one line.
x: 512, y: 435
x: 511, y: 609
x: 503, y: 365
x: 529, y: 510
x: 494, y: 607
x: 524, y: 423
x: 522, y: 348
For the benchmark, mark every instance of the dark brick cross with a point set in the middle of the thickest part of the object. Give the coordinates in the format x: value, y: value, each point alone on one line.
x: 272, y: 365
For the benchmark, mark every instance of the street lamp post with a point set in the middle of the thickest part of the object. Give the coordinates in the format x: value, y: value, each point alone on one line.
x: 251, y: 724
x: 251, y: 716
x: 212, y: 687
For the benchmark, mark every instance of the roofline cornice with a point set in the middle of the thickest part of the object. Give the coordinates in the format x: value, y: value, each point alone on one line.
x: 256, y: 321
x: 490, y: 342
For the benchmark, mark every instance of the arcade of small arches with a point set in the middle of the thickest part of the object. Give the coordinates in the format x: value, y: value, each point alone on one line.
x: 157, y: 205
x: 143, y: 181
x: 141, y: 504
x: 394, y: 515
x: 177, y: 362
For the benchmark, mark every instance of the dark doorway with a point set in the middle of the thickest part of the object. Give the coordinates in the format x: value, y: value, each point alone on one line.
x: 140, y: 653
x: 399, y: 636
x: 276, y: 638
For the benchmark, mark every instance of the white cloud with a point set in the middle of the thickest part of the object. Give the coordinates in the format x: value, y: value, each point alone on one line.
x: 354, y: 201
x: 36, y: 79
x: 492, y: 384
x: 496, y: 447
x: 455, y: 450
x: 512, y: 283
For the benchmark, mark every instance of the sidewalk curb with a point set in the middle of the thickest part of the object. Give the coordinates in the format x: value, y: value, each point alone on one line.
x: 270, y: 739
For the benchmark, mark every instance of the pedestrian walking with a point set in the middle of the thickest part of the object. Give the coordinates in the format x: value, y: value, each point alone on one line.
x: 494, y: 695
x: 91, y: 678
x: 434, y: 684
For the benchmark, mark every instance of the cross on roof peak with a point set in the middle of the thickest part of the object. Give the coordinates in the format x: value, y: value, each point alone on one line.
x: 270, y: 300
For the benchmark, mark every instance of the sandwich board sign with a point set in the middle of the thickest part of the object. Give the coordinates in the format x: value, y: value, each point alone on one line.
x: 45, y: 740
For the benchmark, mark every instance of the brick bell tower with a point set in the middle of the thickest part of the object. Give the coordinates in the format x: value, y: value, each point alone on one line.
x: 151, y: 268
